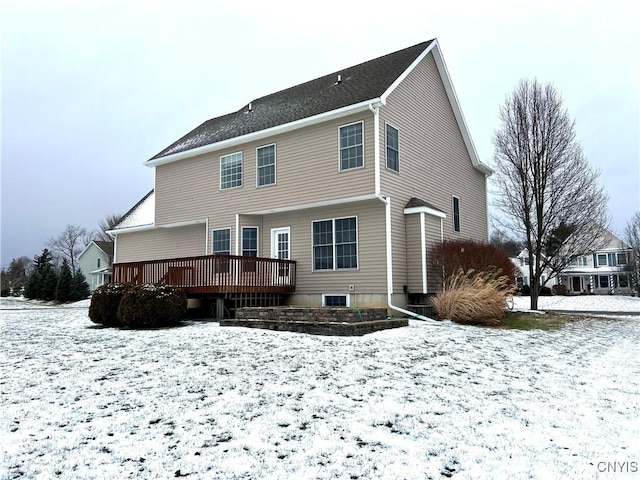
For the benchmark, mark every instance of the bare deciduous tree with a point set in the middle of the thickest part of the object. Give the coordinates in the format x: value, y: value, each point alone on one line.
x: 106, y: 224
x: 632, y: 237
x: 546, y: 185
x: 69, y: 244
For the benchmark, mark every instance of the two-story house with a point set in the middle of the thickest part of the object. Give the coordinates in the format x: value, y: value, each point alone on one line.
x: 346, y: 181
x: 95, y: 262
x: 601, y: 271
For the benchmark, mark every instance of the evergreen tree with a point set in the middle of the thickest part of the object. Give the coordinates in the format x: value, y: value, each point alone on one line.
x: 42, y: 282
x: 63, y: 288
x: 79, y: 287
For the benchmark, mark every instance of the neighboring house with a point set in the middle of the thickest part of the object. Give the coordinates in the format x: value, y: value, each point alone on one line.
x: 95, y: 261
x: 600, y: 271
x: 346, y: 181
x: 521, y: 261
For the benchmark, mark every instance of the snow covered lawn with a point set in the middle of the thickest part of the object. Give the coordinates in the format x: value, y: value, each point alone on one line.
x: 434, y: 400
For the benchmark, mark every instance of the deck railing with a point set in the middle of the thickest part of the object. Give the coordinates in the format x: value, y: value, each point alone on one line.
x: 213, y: 274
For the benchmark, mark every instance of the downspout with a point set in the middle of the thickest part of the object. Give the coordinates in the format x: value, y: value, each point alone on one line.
x: 206, y: 236
x: 237, y: 233
x: 387, y: 203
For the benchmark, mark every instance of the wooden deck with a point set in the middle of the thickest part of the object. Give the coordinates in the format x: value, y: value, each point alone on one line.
x: 216, y: 274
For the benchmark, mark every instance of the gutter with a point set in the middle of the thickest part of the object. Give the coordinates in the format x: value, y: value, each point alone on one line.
x: 375, y: 108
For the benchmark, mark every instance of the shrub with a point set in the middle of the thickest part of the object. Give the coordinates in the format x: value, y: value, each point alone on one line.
x: 451, y: 256
x: 148, y: 306
x: 545, y: 291
x: 105, y: 302
x: 525, y: 290
x: 474, y: 297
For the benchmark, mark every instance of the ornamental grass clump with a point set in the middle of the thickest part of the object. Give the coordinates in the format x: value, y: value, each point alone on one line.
x: 474, y: 297
x: 151, y: 306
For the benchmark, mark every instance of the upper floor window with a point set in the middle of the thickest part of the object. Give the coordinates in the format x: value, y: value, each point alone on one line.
x: 266, y: 165
x: 221, y: 241
x: 393, y: 152
x: 335, y: 244
x: 621, y: 258
x: 231, y: 171
x: 250, y: 241
x: 456, y: 214
x: 98, y: 263
x: 602, y: 259
x: 351, y: 146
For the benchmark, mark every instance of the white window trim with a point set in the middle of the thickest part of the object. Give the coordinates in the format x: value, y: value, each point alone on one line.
x: 257, y: 239
x: 275, y: 166
x: 212, y: 239
x: 386, y: 147
x: 347, y: 295
x: 606, y: 260
x: 335, y: 269
x: 453, y: 214
x: 340, y: 149
x: 241, y: 167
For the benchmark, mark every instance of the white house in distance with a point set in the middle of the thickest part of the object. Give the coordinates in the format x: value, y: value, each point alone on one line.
x: 600, y: 271
x: 95, y: 262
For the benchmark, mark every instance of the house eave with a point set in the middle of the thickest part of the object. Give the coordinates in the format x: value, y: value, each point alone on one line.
x: 267, y: 132
x: 427, y: 210
x: 138, y: 228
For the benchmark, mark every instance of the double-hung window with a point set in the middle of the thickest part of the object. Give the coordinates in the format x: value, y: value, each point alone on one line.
x: 456, y: 214
x: 221, y: 245
x: 249, y: 248
x: 335, y: 244
x: 231, y: 171
x: 351, y: 146
x: 221, y: 241
x: 249, y: 241
x: 393, y: 151
x: 266, y: 165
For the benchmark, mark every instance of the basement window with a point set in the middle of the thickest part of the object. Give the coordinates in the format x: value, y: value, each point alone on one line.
x: 330, y: 300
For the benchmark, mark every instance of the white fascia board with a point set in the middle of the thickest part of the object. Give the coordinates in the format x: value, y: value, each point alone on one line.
x: 87, y: 248
x: 278, y: 129
x: 138, y: 228
x: 457, y: 112
x: 427, y: 210
x: 305, y: 206
x: 406, y: 73
x: 453, y: 100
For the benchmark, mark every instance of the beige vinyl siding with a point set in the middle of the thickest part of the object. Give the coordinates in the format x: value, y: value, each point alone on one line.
x: 370, y: 277
x: 161, y: 243
x: 414, y: 253
x: 432, y: 238
x: 434, y: 161
x: 307, y: 171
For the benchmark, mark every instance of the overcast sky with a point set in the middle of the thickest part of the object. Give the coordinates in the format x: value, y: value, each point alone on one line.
x: 92, y: 89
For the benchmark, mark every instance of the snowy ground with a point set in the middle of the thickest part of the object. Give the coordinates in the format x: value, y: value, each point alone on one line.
x: 434, y: 400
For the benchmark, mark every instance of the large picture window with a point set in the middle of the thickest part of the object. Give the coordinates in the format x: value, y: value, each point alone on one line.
x: 351, y: 146
x: 393, y: 151
x: 335, y: 244
x: 266, y: 164
x: 231, y: 171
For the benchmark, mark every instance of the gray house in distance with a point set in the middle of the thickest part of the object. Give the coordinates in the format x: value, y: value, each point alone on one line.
x: 95, y: 262
x: 330, y: 192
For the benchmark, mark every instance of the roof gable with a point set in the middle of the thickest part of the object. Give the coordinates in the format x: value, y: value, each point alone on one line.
x: 363, y: 82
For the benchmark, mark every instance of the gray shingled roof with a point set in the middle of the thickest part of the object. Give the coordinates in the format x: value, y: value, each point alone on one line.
x: 417, y: 202
x: 366, y: 81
